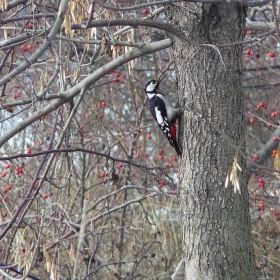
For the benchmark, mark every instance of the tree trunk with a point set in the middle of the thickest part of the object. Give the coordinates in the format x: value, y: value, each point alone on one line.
x: 217, y: 242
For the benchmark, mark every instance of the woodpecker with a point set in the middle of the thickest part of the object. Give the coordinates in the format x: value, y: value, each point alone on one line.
x: 163, y: 112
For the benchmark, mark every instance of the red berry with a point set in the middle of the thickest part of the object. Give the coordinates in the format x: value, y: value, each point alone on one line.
x: 19, y: 170
x: 275, y: 139
x: 45, y: 195
x: 5, y: 214
x: 23, y: 47
x: 4, y: 174
x: 100, y: 116
x: 252, y: 120
x: 9, y: 188
x: 17, y: 86
x: 145, y: 12
x: 251, y: 53
x: 248, y: 52
x: 171, y: 164
x: 29, y: 151
x: 7, y: 166
x: 30, y: 25
x: 117, y: 75
x: 99, y: 105
x: 112, y: 71
x: 160, y: 157
x: 120, y: 165
x: 271, y: 54
x: 161, y: 151
x: 29, y: 47
x: 103, y: 175
x: 260, y: 180
x: 138, y: 155
x: 262, y: 208
x: 42, y: 118
x: 269, y: 125
x: 149, y: 136
x: 174, y: 158
x: 146, y: 156
x: 117, y: 81
x: 256, y: 157
x: 103, y: 103
x: 250, y: 32
x: 123, y: 75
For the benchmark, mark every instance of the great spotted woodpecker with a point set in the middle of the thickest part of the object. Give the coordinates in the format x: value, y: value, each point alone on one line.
x: 163, y: 112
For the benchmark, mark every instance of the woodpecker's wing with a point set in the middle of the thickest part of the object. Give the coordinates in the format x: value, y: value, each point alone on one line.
x: 160, y: 115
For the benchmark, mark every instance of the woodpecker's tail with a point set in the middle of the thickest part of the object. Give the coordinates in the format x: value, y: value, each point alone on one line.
x: 177, y: 148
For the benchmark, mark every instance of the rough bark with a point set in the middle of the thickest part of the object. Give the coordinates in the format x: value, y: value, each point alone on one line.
x: 217, y: 242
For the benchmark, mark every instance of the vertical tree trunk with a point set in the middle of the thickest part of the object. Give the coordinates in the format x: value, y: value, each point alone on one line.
x: 217, y: 242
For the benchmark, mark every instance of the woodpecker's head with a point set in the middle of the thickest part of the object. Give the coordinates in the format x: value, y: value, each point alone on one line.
x: 153, y: 85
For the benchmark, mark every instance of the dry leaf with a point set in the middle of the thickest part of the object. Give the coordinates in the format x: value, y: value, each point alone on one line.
x: 132, y: 63
x: 105, y: 44
x: 276, y: 163
x: 233, y: 176
x: 9, y: 109
x: 67, y: 23
x: 4, y: 4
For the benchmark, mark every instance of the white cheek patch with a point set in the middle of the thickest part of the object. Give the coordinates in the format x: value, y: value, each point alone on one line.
x: 159, y: 116
x: 151, y: 87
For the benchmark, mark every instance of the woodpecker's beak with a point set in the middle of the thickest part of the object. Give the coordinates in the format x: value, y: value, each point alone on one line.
x: 161, y: 78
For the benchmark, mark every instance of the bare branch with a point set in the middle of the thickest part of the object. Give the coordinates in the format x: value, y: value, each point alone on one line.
x: 71, y: 150
x: 260, y: 26
x: 162, y: 2
x: 13, y: 4
x: 26, y: 17
x: 132, y: 22
x: 136, y: 7
x: 47, y: 42
x: 90, y: 80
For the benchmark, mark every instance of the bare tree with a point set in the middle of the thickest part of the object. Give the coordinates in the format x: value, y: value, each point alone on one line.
x: 89, y: 184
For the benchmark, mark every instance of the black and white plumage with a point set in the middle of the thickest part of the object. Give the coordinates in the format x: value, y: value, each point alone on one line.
x: 163, y: 112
